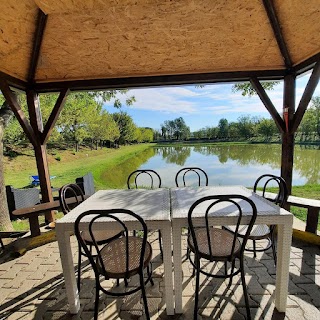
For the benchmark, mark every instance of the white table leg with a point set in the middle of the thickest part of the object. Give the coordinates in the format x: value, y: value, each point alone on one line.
x: 167, y: 262
x: 283, y: 261
x: 177, y: 263
x: 68, y: 269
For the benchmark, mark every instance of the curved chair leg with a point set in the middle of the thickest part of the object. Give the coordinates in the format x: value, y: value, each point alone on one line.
x: 160, y: 244
x: 244, y: 286
x: 144, y: 297
x: 273, y: 245
x: 254, y: 248
x: 149, y: 273
x: 196, y: 298
x: 232, y: 270
x: 96, y: 303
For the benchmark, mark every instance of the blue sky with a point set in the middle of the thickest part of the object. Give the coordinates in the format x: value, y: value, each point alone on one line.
x: 200, y: 107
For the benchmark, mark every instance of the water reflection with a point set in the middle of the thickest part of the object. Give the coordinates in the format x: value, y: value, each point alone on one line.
x: 117, y: 177
x: 235, y: 164
x: 225, y: 165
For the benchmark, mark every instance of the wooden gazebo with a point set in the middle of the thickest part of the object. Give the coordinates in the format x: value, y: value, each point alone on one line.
x: 63, y: 45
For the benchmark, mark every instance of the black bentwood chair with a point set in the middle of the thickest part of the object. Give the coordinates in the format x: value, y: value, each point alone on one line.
x: 71, y: 195
x: 215, y: 244
x: 152, y: 176
x: 263, y: 231
x: 201, y: 177
x: 121, y: 258
x: 260, y: 232
x: 134, y: 182
x: 200, y: 174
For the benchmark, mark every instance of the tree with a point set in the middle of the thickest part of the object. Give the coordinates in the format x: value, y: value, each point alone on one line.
x: 126, y: 126
x: 223, y: 128
x: 245, y: 127
x: 247, y: 90
x: 5, y: 222
x: 75, y: 117
x: 267, y: 128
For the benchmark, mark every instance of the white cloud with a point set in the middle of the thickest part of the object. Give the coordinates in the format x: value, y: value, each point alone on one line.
x: 211, y: 99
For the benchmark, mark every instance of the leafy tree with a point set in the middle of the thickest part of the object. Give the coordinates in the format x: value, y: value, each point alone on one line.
x: 233, y: 130
x: 266, y: 128
x: 146, y: 134
x: 176, y: 128
x: 5, y: 115
x: 245, y: 127
x: 101, y: 126
x: 247, y: 90
x: 223, y: 128
x: 75, y: 116
x: 126, y: 126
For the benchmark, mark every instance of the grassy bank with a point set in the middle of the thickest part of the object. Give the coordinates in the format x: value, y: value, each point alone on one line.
x: 67, y: 165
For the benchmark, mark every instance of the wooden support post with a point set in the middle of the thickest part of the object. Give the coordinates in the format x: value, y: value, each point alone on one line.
x: 312, y: 219
x: 40, y: 151
x: 287, y: 136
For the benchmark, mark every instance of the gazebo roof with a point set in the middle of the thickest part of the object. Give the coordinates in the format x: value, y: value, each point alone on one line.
x: 52, y: 44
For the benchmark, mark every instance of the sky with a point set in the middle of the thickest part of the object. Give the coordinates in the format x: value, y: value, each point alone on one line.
x: 200, y: 107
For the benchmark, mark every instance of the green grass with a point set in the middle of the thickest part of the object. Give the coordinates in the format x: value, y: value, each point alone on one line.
x: 308, y: 191
x: 71, y: 165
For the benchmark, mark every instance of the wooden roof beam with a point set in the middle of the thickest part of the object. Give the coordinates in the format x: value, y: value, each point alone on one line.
x: 306, y: 97
x: 268, y: 104
x: 54, y: 115
x: 269, y: 7
x: 154, y: 81
x: 307, y: 65
x: 13, y: 82
x: 38, y: 37
x: 12, y: 101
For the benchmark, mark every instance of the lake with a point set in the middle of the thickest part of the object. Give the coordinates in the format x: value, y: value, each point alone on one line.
x: 224, y: 164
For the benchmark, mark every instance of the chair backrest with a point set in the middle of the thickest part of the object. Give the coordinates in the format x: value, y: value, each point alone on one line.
x: 152, y: 176
x: 199, y: 173
x: 70, y: 195
x: 203, y: 208
x: 270, y: 180
x: 120, y: 216
x: 86, y: 184
x: 21, y: 198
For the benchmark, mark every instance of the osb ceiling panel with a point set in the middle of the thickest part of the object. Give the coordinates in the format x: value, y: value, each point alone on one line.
x: 17, y: 26
x: 175, y: 37
x: 301, y: 27
x: 92, y: 39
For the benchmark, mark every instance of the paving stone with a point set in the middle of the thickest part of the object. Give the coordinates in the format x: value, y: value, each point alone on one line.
x: 306, y: 309
x: 32, y: 287
x: 12, y: 272
x: 313, y: 291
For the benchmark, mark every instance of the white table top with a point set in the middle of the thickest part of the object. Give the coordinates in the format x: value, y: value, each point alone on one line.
x: 149, y: 204
x: 183, y: 198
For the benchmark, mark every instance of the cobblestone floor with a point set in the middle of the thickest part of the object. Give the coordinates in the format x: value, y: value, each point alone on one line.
x: 32, y: 287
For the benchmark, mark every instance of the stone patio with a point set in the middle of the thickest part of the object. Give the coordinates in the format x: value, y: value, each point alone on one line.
x: 32, y: 287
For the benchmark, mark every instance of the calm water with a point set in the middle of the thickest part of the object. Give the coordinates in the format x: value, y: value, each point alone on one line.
x: 225, y: 165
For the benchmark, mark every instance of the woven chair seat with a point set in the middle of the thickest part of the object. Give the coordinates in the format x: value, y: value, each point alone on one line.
x: 258, y: 232
x: 101, y: 236
x: 114, y: 253
x: 221, y: 243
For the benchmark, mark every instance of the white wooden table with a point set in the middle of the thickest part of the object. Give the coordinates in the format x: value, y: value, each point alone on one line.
x: 152, y: 205
x: 268, y: 213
